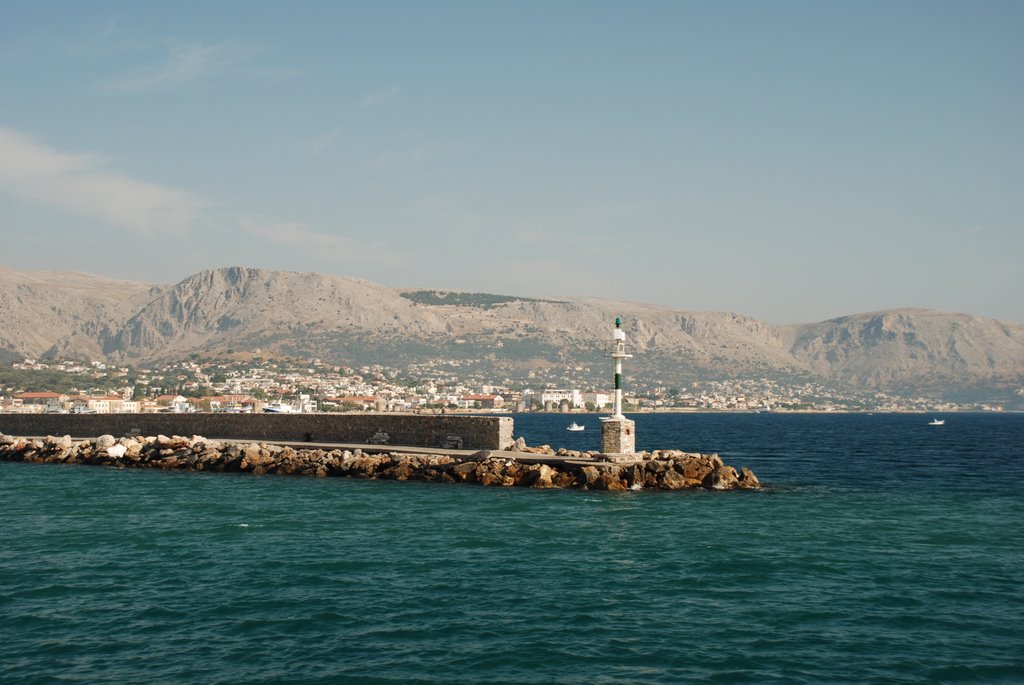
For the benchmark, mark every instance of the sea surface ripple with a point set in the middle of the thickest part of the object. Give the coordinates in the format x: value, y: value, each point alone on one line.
x: 881, y: 551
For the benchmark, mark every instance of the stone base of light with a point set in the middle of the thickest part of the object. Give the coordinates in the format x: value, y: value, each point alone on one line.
x: 618, y: 436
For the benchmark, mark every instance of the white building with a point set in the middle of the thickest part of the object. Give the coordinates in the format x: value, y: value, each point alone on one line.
x: 600, y: 400
x: 556, y: 397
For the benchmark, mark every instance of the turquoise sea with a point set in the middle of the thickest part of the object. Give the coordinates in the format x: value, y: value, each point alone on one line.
x: 882, y: 550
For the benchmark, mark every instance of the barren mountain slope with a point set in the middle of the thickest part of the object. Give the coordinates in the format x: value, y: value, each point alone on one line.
x: 248, y: 308
x: 657, y: 334
x: 64, y: 314
x: 313, y: 314
x: 911, y: 346
x: 354, y: 322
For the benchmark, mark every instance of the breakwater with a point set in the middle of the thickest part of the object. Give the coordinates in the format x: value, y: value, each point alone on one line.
x: 538, y: 467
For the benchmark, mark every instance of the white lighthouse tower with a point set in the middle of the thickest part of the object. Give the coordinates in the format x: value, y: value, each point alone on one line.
x: 618, y: 434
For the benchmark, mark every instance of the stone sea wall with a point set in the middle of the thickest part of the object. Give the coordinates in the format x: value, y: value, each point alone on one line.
x: 532, y: 467
x: 467, y: 432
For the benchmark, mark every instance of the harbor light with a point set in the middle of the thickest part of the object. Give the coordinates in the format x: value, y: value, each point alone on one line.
x: 618, y: 434
x: 618, y: 354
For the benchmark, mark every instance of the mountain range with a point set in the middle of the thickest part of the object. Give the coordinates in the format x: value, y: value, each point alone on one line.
x: 354, y: 322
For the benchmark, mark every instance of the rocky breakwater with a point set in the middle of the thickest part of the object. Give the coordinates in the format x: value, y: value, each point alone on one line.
x: 536, y: 467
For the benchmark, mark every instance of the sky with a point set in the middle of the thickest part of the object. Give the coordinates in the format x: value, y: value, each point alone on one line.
x: 789, y: 161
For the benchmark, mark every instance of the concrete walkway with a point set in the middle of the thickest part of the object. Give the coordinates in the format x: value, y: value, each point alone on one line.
x: 463, y: 455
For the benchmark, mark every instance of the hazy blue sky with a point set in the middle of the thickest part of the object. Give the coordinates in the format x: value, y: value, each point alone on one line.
x: 793, y: 161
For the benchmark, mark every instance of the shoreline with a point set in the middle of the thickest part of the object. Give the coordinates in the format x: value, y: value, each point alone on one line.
x: 681, y: 410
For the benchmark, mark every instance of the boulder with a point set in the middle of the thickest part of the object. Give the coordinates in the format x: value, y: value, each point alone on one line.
x: 694, y: 468
x: 442, y: 476
x: 609, y: 480
x: 400, y: 471
x: 489, y: 473
x: 172, y: 443
x: 538, y: 476
x: 64, y: 442
x: 672, y: 480
x: 636, y: 475
x: 656, y: 467
x: 748, y: 481
x: 105, y: 441
x: 545, y: 477
x: 364, y: 465
x: 512, y: 473
x: 722, y: 478
x: 466, y: 471
x: 211, y: 460
x: 69, y: 455
x: 563, y: 479
x: 252, y: 457
x: 589, y: 476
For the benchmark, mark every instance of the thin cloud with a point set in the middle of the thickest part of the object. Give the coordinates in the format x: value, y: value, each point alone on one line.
x: 538, y: 236
x: 110, y: 37
x: 186, y: 62
x: 411, y: 155
x: 302, y: 238
x: 77, y: 183
x: 378, y: 97
x: 318, y: 144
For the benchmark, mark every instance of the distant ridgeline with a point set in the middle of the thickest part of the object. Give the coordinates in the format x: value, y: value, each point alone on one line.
x: 459, y: 299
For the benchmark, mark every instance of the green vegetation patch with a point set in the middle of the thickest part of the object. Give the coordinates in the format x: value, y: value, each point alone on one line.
x: 478, y: 300
x: 55, y: 380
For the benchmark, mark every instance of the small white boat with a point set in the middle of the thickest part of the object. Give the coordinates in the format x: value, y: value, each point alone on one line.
x: 575, y: 427
x: 279, y: 408
x: 937, y: 422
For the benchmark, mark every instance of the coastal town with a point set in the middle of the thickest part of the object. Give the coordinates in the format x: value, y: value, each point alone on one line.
x: 255, y: 385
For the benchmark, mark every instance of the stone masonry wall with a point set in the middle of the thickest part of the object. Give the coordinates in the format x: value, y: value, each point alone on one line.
x: 618, y: 436
x: 475, y: 432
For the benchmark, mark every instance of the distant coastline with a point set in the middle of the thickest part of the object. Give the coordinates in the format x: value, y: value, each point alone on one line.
x: 288, y: 330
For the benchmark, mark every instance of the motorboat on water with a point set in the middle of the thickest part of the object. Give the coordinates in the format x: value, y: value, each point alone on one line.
x: 575, y: 427
x: 937, y: 422
x: 279, y: 408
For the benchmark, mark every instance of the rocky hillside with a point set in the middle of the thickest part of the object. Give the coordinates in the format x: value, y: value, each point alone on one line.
x: 252, y: 308
x: 70, y: 315
x: 356, y: 322
x: 912, y: 350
